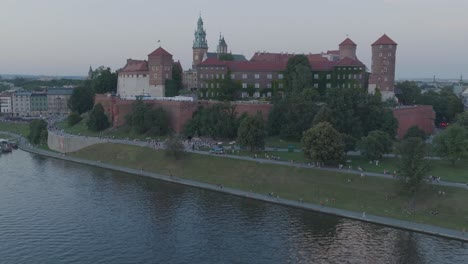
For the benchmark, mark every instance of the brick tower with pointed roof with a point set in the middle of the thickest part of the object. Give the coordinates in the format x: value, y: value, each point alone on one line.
x: 160, y: 64
x: 383, y: 67
x: 348, y: 49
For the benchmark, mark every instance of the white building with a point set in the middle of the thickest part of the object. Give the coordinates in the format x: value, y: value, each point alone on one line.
x: 148, y: 78
x: 21, y: 103
x: 6, y: 107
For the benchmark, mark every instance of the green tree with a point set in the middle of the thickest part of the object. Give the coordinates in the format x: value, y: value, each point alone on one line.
x: 98, y: 120
x: 325, y: 114
x: 229, y: 89
x: 252, y: 133
x: 216, y: 121
x: 293, y: 115
x: 143, y: 119
x: 324, y: 144
x: 104, y: 81
x: 375, y: 145
x: 38, y: 131
x: 415, y: 131
x: 446, y: 105
x: 412, y: 166
x: 452, y: 143
x: 298, y: 74
x: 174, y: 147
x: 81, y: 100
x: 409, y: 92
x: 462, y: 119
x: 73, y: 119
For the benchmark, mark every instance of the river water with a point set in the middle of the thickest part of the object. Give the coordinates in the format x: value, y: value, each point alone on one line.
x: 53, y: 211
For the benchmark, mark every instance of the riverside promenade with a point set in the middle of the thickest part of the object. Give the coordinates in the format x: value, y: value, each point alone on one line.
x: 400, y: 224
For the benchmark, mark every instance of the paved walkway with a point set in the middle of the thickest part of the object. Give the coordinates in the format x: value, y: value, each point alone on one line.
x: 400, y: 224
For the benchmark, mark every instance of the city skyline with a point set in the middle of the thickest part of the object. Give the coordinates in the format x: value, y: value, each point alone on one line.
x: 58, y: 38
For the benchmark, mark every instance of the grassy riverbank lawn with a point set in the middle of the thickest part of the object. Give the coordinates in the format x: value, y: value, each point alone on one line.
x: 17, y: 128
x: 370, y: 194
x: 440, y: 168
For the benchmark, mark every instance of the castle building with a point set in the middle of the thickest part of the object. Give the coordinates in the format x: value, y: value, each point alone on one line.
x: 146, y: 77
x: 262, y: 76
x: 382, y: 75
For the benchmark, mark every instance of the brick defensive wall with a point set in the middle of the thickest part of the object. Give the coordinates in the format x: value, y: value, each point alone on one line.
x: 180, y: 112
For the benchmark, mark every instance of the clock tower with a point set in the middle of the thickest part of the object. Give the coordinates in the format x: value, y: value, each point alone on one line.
x: 200, y: 45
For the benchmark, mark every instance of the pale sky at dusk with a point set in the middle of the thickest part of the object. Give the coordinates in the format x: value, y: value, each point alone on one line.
x: 64, y: 37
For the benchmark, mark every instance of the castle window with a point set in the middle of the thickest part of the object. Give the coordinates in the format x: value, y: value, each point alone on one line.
x: 280, y: 85
x: 167, y: 75
x: 269, y: 76
x: 212, y: 76
x: 328, y: 76
x: 257, y: 85
x: 217, y: 76
x: 315, y: 85
x: 222, y: 76
x: 328, y: 85
x: 381, y: 46
x: 217, y: 85
x: 269, y: 85
x: 244, y: 76
x: 244, y: 85
x: 233, y: 76
x: 212, y: 85
x: 256, y: 94
x: 268, y: 94
x: 244, y: 95
x: 316, y: 76
x: 257, y: 76
x: 389, y: 54
x: 280, y: 76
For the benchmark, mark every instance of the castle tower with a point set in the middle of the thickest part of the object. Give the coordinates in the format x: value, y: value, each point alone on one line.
x: 200, y: 45
x: 383, y: 67
x: 222, y: 46
x: 348, y: 49
x: 160, y: 64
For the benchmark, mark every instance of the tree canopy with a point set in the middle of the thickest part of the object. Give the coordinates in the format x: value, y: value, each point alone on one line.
x: 324, y: 144
x: 97, y: 119
x: 143, y: 119
x: 104, y: 80
x: 412, y: 165
x: 409, y: 92
x: 298, y: 74
x: 81, y: 100
x: 415, y: 131
x: 252, y: 133
x: 452, y: 143
x: 375, y: 145
x: 38, y: 131
x: 217, y: 121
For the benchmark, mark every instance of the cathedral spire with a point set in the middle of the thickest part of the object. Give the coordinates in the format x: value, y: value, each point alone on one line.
x: 200, y: 36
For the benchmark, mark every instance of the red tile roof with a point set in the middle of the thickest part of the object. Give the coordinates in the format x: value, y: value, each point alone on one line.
x: 346, y: 61
x: 334, y: 52
x: 135, y: 66
x: 347, y: 41
x: 316, y: 65
x: 257, y: 66
x: 384, y: 40
x: 160, y: 52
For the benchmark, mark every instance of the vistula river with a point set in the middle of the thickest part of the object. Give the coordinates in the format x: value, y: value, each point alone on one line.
x: 54, y: 211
